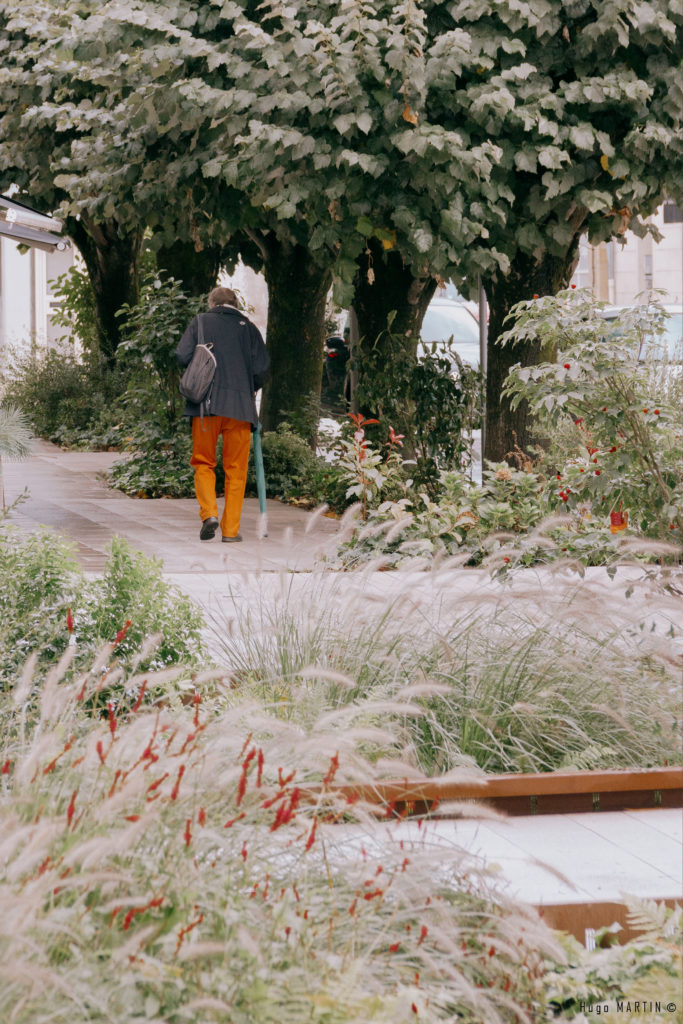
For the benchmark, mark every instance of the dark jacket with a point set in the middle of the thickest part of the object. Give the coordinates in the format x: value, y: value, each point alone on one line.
x: 242, y: 362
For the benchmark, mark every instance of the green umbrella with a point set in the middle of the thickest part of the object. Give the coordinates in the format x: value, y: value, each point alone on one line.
x: 260, y: 483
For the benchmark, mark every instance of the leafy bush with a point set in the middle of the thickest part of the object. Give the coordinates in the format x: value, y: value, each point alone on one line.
x: 158, y: 464
x: 68, y: 401
x: 45, y: 599
x: 180, y: 867
x: 619, y: 447
x: 75, y: 308
x: 646, y: 972
x: 423, y: 401
x: 153, y: 329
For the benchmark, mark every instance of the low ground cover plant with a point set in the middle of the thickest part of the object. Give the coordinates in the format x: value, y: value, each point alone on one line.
x: 562, y: 676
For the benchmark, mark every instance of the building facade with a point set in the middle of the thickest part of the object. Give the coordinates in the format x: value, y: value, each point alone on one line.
x: 619, y: 271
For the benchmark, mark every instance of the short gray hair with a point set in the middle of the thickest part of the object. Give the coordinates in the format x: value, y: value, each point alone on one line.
x: 222, y: 297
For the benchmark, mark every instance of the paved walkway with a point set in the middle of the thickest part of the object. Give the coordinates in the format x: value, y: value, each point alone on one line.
x: 67, y: 494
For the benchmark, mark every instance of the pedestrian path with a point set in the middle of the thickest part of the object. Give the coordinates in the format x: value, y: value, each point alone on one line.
x: 67, y: 494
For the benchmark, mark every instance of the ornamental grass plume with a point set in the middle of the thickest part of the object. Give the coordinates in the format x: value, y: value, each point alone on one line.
x: 187, y: 866
x: 547, y: 672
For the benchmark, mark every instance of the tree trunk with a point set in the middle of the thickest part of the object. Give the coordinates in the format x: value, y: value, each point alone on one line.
x: 297, y: 293
x: 198, y: 271
x: 112, y: 261
x: 507, y: 430
x: 384, y: 284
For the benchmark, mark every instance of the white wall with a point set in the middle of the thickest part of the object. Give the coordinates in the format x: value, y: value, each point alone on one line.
x: 252, y: 291
x: 16, y: 294
x: 619, y: 272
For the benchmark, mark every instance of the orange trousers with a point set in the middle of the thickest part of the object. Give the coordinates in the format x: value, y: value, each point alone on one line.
x: 236, y: 442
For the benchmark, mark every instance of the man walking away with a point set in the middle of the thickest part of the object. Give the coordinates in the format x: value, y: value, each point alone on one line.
x: 242, y: 363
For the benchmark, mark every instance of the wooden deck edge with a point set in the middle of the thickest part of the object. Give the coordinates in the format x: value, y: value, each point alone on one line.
x: 543, y: 793
x: 576, y: 918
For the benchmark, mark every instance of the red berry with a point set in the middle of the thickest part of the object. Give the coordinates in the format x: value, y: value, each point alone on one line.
x: 566, y: 366
x: 613, y: 448
x: 581, y: 471
x: 604, y: 408
x: 656, y: 412
x: 573, y: 286
x: 535, y: 295
x: 597, y: 472
x: 645, y: 410
x: 506, y: 559
x: 559, y: 476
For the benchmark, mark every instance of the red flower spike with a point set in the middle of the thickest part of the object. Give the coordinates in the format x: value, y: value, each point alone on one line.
x: 187, y: 834
x: 232, y: 821
x: 112, y: 717
x: 132, y: 817
x: 174, y: 791
x: 121, y: 635
x: 244, y: 852
x: 413, y: 1007
x: 311, y: 836
x: 424, y: 932
x: 394, y: 948
x: 332, y: 770
x: 259, y: 767
x: 138, y: 702
x: 69, y: 621
x: 5, y: 770
x: 201, y: 816
x: 71, y: 809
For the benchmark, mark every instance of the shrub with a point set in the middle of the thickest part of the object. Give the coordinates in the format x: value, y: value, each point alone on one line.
x: 619, y: 447
x: 288, y: 464
x: 423, y: 401
x: 45, y: 599
x: 158, y: 464
x: 153, y: 329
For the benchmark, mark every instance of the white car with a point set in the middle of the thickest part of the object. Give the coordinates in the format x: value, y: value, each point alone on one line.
x: 449, y: 321
x: 671, y: 341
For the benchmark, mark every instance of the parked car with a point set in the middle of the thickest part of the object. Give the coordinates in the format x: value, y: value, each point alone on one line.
x: 446, y: 320
x: 671, y: 341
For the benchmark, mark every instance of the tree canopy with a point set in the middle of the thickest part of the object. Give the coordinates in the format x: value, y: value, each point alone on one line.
x: 454, y: 139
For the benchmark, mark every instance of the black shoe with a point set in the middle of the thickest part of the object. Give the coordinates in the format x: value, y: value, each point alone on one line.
x: 232, y: 540
x: 209, y: 527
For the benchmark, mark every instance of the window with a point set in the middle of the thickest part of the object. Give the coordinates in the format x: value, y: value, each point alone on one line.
x: 672, y: 213
x: 648, y: 270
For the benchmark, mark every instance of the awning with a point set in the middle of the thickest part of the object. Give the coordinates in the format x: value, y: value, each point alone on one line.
x: 27, y: 226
